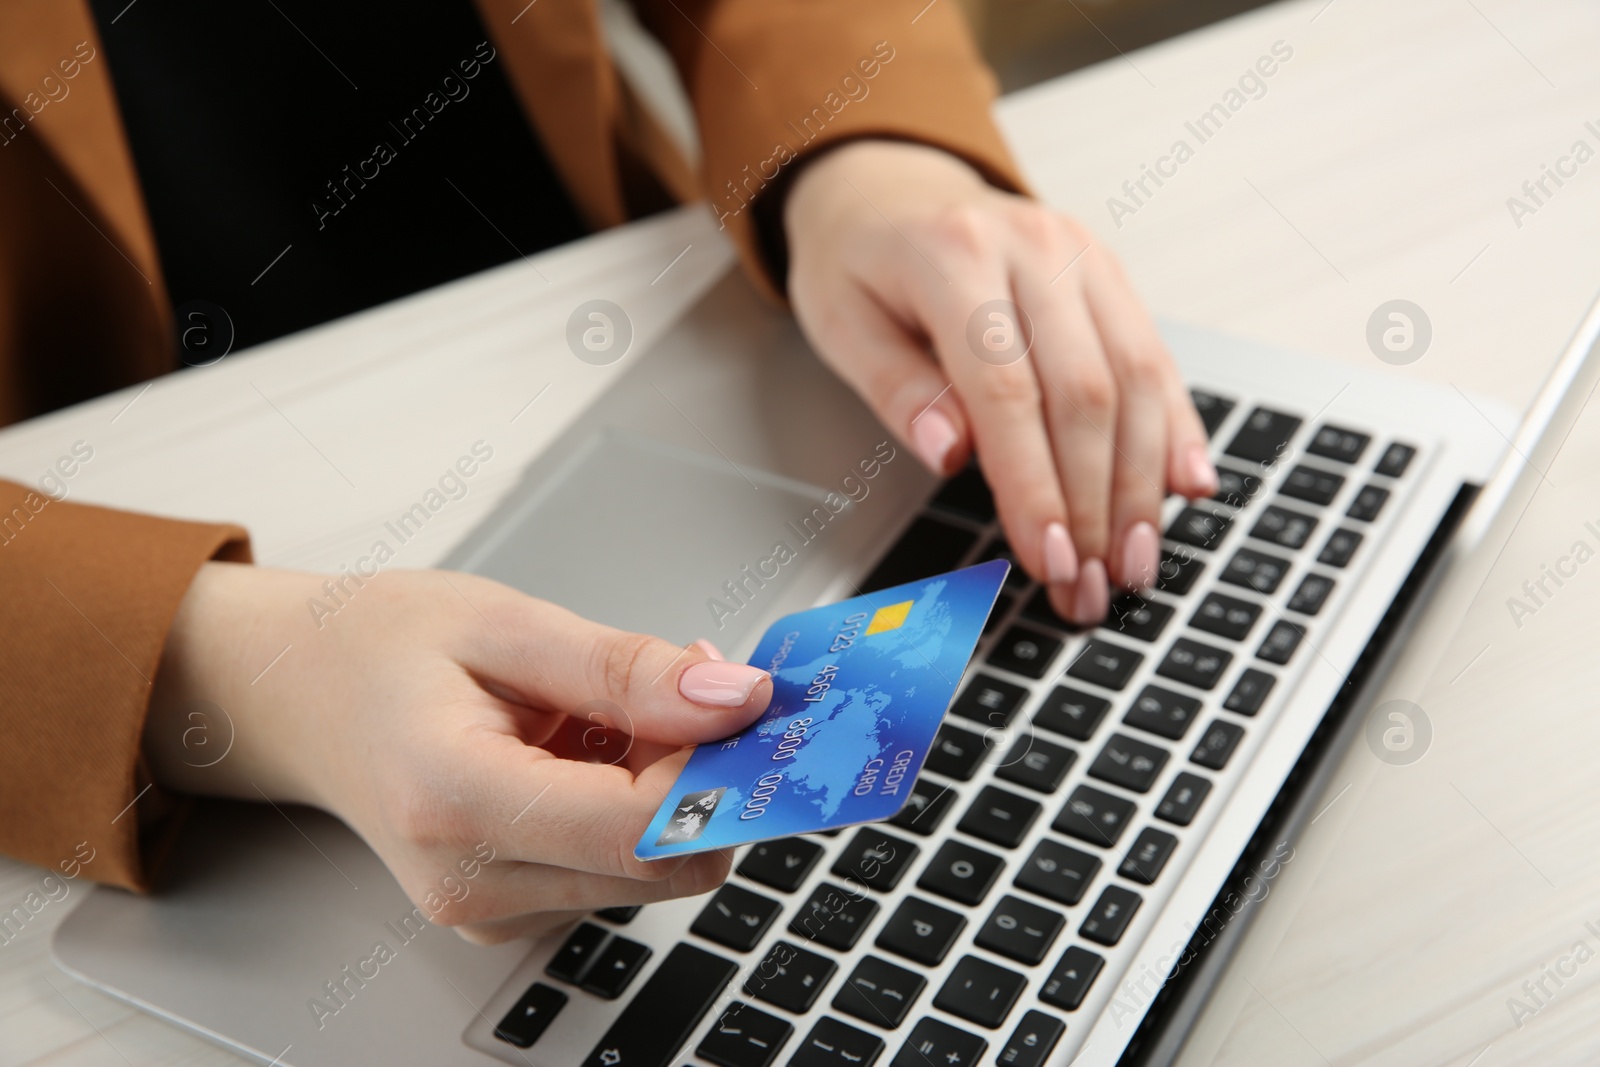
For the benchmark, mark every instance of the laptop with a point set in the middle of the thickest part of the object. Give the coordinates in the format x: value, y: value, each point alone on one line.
x: 1097, y: 819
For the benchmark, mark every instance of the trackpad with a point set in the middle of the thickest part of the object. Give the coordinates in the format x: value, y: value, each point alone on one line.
x: 647, y: 536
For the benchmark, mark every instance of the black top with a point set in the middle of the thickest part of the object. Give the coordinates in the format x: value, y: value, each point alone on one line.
x: 305, y: 159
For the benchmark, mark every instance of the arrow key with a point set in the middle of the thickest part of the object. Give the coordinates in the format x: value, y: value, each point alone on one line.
x: 529, y: 1017
x: 615, y: 967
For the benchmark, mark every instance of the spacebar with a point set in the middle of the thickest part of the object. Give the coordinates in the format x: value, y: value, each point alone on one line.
x: 665, y: 1011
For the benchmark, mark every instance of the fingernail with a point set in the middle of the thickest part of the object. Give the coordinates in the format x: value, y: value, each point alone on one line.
x: 708, y: 650
x: 720, y: 684
x: 1092, y: 599
x: 1202, y: 472
x: 1141, y: 554
x: 934, y: 436
x: 1060, y: 559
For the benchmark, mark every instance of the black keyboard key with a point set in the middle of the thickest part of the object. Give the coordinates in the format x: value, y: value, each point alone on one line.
x: 1226, y: 616
x: 1256, y: 570
x: 1071, y: 713
x: 927, y: 548
x: 926, y: 806
x: 1105, y: 664
x: 1217, y: 744
x: 1312, y: 485
x: 1281, y: 641
x: 879, y: 992
x: 961, y: 872
x: 783, y: 864
x: 831, y: 1043
x: 1150, y: 852
x: 1249, y: 692
x: 1163, y: 712
x: 1184, y: 797
x: 1094, y: 816
x: 1335, y: 442
x: 1036, y: 764
x: 744, y: 1037
x: 955, y: 753
x: 529, y: 1017
x: 999, y: 817
x: 736, y: 918
x: 1129, y: 763
x: 665, y: 1011
x: 1342, y: 544
x: 967, y: 495
x: 1313, y: 592
x: 1002, y: 604
x: 1069, y: 982
x: 1178, y: 572
x: 1032, y: 1041
x: 834, y: 916
x: 1194, y: 664
x: 1213, y: 409
x: 989, y: 701
x: 1264, y: 437
x: 1016, y: 578
x: 1039, y: 610
x: 790, y: 977
x: 1395, y: 459
x: 1368, y: 503
x: 620, y: 916
x: 936, y: 1044
x: 1134, y: 616
x: 1200, y: 527
x: 615, y: 968
x: 1235, y: 487
x: 577, y: 952
x: 1025, y: 651
x: 875, y: 859
x: 1109, y: 918
x: 921, y: 932
x: 980, y: 992
x: 1057, y: 872
x: 1284, y: 528
x: 1019, y: 930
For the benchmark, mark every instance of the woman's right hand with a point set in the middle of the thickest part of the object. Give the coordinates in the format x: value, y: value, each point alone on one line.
x: 502, y: 755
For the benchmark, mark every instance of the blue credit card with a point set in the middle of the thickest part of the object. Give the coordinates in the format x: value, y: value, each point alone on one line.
x: 858, y: 691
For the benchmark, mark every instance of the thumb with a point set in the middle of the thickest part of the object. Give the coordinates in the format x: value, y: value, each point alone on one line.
x: 556, y: 660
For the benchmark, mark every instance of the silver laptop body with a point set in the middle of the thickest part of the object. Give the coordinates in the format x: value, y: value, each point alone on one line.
x: 1096, y: 815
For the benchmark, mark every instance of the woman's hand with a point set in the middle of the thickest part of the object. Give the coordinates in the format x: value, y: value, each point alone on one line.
x: 906, y: 272
x: 447, y: 718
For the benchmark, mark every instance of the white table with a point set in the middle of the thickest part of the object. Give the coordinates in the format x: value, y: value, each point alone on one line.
x: 1376, y: 165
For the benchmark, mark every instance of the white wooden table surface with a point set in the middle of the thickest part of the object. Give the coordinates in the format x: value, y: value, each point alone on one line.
x: 1376, y: 164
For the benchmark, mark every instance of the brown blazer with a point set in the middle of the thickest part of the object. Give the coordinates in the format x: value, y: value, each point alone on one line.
x: 87, y: 594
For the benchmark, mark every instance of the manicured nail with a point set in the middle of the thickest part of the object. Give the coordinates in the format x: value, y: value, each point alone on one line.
x: 708, y: 650
x: 1202, y: 472
x: 720, y: 684
x: 934, y: 435
x: 1141, y: 554
x: 1090, y: 602
x: 1060, y: 558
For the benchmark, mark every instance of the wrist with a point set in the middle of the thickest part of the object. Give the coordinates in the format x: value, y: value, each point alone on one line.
x: 213, y: 726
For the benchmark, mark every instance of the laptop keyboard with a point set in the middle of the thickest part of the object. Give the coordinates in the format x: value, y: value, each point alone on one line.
x: 1066, y: 790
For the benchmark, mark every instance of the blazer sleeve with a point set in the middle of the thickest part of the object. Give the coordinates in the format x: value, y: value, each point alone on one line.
x: 775, y: 81
x: 87, y: 595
